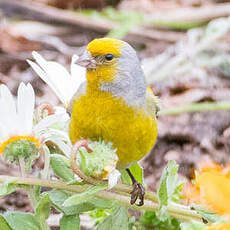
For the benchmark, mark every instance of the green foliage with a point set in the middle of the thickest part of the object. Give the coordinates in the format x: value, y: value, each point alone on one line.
x: 207, y: 215
x: 101, y: 203
x: 137, y: 172
x: 177, y: 25
x: 126, y: 20
x: 98, y: 215
x: 150, y: 219
x: 42, y: 210
x: 61, y: 167
x: 58, y: 197
x: 117, y: 220
x: 7, y: 187
x: 169, y: 188
x: 3, y: 224
x: 70, y: 222
x: 22, y: 221
x: 86, y: 196
x: 193, y: 226
x: 132, y: 221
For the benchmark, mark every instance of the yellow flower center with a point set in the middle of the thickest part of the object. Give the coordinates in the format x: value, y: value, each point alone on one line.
x: 16, y: 138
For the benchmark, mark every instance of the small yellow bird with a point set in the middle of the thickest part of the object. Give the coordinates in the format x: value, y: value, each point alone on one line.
x: 115, y: 105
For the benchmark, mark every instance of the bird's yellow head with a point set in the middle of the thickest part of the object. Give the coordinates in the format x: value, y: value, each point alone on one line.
x: 113, y: 66
x: 101, y: 59
x: 104, y: 46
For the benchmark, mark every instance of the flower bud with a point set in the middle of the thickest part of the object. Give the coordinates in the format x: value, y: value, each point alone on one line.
x: 19, y: 149
x: 97, y: 160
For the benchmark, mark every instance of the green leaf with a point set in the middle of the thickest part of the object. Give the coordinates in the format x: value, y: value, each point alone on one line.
x: 58, y: 197
x: 98, y: 215
x: 87, y: 195
x: 76, y: 182
x: 7, y: 187
x: 42, y: 210
x: 125, y: 19
x: 193, y: 226
x: 3, y: 224
x: 207, y: 215
x: 137, y: 172
x: 151, y: 220
x: 22, y: 221
x: 132, y: 221
x: 169, y: 188
x: 117, y: 220
x: 102, y: 204
x: 37, y: 191
x: 61, y: 167
x: 70, y: 222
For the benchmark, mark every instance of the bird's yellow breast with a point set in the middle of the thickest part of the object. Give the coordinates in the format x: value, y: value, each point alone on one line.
x: 99, y: 115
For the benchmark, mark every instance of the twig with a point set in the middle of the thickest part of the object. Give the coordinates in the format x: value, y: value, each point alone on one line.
x: 197, y: 107
x: 190, y: 14
x: 51, y: 15
x: 178, y: 211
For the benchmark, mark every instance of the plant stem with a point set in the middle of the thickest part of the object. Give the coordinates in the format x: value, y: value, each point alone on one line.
x: 29, y: 189
x: 22, y: 167
x: 46, y: 154
x: 178, y: 211
x: 197, y: 107
x: 30, y: 193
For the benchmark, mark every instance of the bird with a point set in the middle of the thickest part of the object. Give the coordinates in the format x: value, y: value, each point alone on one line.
x: 114, y: 104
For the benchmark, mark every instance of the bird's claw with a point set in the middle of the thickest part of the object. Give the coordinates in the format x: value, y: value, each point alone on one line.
x: 137, y: 192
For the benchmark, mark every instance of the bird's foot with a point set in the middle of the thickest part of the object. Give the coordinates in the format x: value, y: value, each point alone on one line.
x: 137, y: 192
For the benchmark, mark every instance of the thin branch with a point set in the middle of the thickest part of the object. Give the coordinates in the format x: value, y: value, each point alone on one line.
x: 178, y: 211
x: 197, y: 107
x: 75, y: 21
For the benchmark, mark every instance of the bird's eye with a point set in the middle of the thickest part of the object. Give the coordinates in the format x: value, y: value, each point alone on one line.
x: 108, y: 57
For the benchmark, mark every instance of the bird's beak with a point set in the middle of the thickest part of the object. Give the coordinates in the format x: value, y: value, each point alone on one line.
x: 86, y: 60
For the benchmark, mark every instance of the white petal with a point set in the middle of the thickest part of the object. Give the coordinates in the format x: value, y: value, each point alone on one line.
x: 50, y: 120
x: 60, y: 110
x: 66, y: 149
x: 60, y: 138
x: 58, y: 134
x: 45, y: 77
x: 25, y: 107
x: 8, y: 109
x: 58, y: 77
x: 113, y: 177
x: 78, y: 73
x: 3, y: 132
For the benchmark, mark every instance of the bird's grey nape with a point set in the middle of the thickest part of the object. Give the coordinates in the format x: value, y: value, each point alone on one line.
x: 129, y: 82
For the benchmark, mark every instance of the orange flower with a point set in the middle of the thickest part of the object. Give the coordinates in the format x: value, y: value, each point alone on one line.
x: 211, y: 189
x: 222, y: 226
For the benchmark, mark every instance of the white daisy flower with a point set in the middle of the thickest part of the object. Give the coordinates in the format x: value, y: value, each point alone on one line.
x: 63, y: 83
x: 16, y: 121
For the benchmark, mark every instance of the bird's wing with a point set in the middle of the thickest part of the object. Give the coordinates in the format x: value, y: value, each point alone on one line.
x: 81, y: 90
x: 152, y: 102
